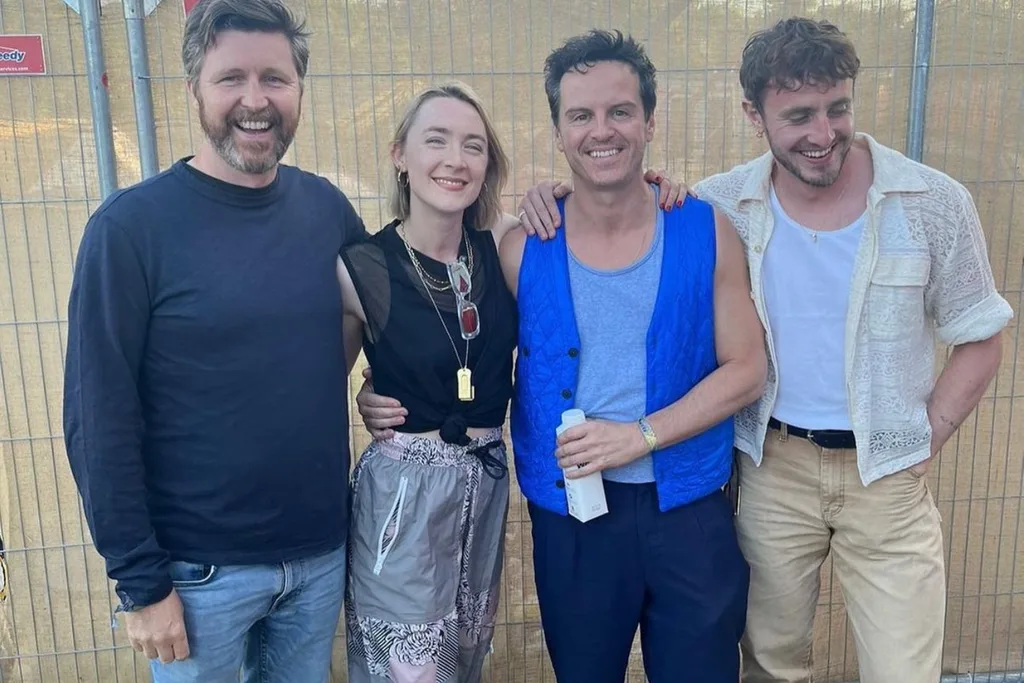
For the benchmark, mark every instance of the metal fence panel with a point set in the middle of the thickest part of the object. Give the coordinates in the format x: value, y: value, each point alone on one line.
x: 368, y: 58
x: 977, y: 91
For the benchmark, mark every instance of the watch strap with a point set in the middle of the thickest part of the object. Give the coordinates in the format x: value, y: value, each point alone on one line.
x: 648, y: 432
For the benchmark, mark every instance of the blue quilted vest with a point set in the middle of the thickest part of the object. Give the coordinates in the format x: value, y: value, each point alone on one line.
x: 680, y: 353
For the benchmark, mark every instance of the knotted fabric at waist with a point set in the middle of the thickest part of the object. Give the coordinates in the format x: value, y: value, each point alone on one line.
x: 426, y: 450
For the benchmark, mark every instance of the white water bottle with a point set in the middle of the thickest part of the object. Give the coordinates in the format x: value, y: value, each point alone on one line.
x: 585, y: 495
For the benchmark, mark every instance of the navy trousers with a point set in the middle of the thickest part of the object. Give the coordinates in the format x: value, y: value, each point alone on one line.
x: 678, y: 575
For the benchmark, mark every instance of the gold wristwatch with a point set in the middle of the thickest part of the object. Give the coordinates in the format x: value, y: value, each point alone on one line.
x: 649, y: 436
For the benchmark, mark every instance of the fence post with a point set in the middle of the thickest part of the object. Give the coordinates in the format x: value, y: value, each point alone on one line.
x: 99, y: 100
x: 142, y: 91
x: 924, y: 21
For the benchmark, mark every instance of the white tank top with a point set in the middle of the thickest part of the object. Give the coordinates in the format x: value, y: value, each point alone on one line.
x: 806, y: 277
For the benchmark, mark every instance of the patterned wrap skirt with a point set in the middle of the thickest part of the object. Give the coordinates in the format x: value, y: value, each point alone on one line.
x: 425, y: 553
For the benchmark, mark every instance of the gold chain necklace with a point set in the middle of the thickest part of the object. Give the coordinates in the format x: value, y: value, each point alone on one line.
x: 464, y: 376
x: 428, y: 280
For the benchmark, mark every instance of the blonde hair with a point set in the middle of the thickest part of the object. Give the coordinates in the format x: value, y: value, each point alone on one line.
x: 485, y: 211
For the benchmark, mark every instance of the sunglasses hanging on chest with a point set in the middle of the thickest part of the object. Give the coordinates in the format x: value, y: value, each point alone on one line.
x: 460, y: 282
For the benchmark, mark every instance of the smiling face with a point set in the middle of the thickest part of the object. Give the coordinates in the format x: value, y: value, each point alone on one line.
x: 445, y: 154
x: 249, y: 97
x: 602, y: 129
x: 809, y: 130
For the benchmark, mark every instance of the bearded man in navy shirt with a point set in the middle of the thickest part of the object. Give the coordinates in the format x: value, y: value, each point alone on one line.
x: 205, y: 389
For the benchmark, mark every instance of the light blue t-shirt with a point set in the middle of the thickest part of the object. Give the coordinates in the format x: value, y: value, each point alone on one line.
x: 613, y: 313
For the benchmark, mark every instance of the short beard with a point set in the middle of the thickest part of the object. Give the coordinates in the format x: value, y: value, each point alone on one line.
x: 221, y: 136
x: 784, y: 160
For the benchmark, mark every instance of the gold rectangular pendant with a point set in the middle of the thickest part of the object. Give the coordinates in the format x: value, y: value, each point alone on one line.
x: 465, y: 380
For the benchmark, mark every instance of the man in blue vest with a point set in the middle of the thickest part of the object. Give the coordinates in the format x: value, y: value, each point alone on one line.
x: 642, y: 319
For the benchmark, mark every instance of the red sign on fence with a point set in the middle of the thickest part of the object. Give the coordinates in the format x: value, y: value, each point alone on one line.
x: 21, y: 55
x: 189, y: 4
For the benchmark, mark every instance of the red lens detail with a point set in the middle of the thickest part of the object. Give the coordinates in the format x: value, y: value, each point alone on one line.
x: 469, y: 320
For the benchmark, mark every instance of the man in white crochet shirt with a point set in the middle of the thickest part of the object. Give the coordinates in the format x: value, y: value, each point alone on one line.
x: 859, y: 258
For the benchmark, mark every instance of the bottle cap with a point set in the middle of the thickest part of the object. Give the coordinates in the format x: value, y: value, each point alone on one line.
x: 573, y: 417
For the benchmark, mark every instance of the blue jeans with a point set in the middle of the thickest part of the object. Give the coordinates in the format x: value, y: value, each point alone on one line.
x: 271, y: 623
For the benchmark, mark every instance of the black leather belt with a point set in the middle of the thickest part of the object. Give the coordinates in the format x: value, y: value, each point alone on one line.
x: 825, y: 438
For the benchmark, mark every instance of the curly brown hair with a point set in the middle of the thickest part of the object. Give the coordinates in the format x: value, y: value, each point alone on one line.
x: 796, y: 52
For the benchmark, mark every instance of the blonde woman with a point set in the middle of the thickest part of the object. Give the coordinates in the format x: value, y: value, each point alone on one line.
x: 426, y: 299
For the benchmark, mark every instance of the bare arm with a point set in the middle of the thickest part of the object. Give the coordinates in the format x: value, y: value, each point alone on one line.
x: 510, y: 253
x: 352, y: 335
x: 505, y: 223
x: 381, y: 413
x: 738, y: 380
x: 969, y: 315
x: 965, y: 378
x: 739, y: 343
x: 353, y: 318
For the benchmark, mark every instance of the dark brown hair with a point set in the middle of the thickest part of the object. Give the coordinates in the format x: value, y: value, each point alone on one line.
x: 579, y: 53
x: 796, y: 52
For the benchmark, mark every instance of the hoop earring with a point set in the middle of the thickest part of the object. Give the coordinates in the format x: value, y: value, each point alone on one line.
x: 403, y: 178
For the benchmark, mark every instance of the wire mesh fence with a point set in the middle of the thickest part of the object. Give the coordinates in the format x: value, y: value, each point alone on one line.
x: 368, y: 58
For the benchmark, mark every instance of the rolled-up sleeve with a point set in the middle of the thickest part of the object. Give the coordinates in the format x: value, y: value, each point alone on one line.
x: 961, y: 294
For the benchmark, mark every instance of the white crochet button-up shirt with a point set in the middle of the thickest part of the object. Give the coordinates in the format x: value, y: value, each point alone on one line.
x: 921, y: 270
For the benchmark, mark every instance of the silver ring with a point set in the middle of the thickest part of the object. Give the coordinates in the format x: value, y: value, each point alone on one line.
x: 521, y: 214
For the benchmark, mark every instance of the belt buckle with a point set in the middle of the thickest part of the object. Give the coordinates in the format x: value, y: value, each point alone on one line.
x: 823, y: 438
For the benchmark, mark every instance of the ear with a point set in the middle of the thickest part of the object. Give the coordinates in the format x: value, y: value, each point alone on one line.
x: 398, y: 156
x: 558, y: 139
x: 753, y: 115
x: 649, y: 126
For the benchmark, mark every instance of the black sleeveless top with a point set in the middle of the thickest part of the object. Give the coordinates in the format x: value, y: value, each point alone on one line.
x: 411, y: 356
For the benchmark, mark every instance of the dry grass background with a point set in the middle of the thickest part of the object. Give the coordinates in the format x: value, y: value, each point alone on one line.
x: 368, y: 57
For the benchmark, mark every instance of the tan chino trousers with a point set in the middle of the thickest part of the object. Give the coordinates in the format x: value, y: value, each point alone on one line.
x: 886, y: 542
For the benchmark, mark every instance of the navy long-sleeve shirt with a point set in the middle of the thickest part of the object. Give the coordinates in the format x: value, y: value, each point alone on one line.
x: 205, y: 397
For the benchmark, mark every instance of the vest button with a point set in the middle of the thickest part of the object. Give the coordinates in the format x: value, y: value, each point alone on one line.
x: 574, y: 352
x: 566, y: 393
x: 559, y: 484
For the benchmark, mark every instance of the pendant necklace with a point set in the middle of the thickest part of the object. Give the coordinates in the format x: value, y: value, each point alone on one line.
x: 464, y: 376
x: 812, y: 231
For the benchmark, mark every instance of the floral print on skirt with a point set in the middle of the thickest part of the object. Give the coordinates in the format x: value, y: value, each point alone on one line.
x: 425, y: 553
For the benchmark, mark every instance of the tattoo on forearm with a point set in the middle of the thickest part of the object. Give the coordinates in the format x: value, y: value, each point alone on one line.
x: 950, y: 423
